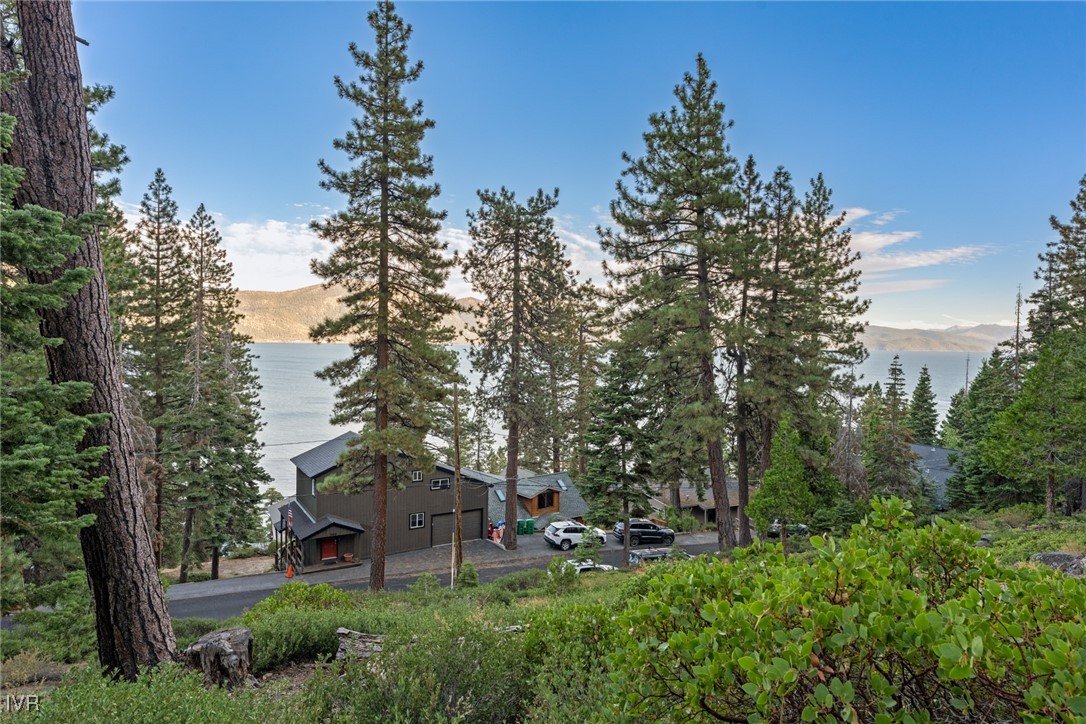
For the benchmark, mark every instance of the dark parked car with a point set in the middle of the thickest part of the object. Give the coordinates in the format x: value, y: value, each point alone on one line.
x: 793, y: 529
x: 645, y: 531
x: 650, y: 555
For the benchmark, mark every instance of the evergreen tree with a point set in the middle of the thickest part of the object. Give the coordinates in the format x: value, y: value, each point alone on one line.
x: 589, y: 329
x: 512, y: 264
x: 44, y: 471
x: 51, y: 141
x: 785, y: 493
x: 950, y: 432
x: 387, y: 256
x: 618, y: 443
x: 212, y: 453
x: 923, y: 418
x: 156, y: 334
x: 1060, y: 303
x: 976, y: 483
x: 671, y: 253
x: 1037, y: 442
x: 890, y: 464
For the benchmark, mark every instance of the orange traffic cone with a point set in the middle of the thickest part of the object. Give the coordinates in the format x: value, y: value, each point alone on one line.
x: 290, y: 571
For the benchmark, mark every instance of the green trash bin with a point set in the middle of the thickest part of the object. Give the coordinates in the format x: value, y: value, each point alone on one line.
x: 529, y: 526
x: 521, y: 525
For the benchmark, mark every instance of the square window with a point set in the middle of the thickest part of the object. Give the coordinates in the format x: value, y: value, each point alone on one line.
x: 417, y: 520
x: 416, y: 476
x: 439, y: 484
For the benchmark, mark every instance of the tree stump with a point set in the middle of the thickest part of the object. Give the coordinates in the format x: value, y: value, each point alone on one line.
x: 223, y: 656
x: 355, y: 644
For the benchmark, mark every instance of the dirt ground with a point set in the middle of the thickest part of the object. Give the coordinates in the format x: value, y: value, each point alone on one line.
x: 231, y: 567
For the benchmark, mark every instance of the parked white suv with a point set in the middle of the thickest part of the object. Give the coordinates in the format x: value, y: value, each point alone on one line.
x: 565, y: 534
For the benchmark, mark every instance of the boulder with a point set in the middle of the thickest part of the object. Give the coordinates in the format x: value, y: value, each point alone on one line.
x: 224, y: 656
x: 1071, y: 564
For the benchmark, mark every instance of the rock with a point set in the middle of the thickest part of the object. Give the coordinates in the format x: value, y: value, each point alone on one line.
x: 985, y: 541
x: 224, y: 657
x: 1070, y: 563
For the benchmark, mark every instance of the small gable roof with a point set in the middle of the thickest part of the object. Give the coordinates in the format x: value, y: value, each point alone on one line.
x: 570, y: 502
x: 305, y: 527
x: 319, y: 460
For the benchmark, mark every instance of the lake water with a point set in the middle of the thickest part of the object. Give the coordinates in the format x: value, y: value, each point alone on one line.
x: 297, y: 405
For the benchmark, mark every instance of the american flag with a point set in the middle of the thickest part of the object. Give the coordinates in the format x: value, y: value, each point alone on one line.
x: 290, y: 519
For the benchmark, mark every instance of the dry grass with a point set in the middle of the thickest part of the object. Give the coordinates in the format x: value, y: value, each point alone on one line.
x: 29, y: 667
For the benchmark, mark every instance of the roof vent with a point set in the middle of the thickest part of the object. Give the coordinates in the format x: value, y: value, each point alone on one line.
x: 500, y: 494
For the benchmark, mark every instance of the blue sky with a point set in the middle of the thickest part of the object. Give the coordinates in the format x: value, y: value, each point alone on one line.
x: 950, y: 131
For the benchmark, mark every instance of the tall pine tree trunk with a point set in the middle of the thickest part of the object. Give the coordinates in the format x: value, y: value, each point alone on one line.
x: 214, y: 563
x: 725, y: 532
x: 741, y: 442
x: 380, y: 475
x: 51, y: 142
x: 186, y: 545
x: 458, y: 537
x: 512, y: 444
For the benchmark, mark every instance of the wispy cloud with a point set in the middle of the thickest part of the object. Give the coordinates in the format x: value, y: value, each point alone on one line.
x: 896, y: 286
x: 875, y: 263
x: 886, y: 217
x: 869, y: 241
x: 855, y: 213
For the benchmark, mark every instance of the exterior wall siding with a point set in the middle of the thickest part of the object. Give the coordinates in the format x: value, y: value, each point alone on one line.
x: 417, y: 497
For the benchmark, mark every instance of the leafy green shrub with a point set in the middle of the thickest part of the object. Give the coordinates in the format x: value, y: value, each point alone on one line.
x: 494, y: 596
x: 520, y: 581
x: 1053, y: 533
x: 589, y: 549
x: 427, y: 589
x: 895, y: 622
x: 566, y: 647
x: 469, y: 576
x: 561, y: 577
x: 247, y: 550
x: 168, y: 693
x: 1018, y: 516
x: 680, y: 521
x: 198, y: 576
x: 188, y: 630
x: 444, y: 670
x: 839, y: 518
x: 298, y: 595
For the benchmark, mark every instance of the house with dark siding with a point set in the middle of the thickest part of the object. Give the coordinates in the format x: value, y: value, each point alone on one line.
x: 331, y: 528
x: 547, y: 497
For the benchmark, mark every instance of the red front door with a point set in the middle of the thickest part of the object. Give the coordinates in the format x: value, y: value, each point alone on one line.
x: 329, y: 550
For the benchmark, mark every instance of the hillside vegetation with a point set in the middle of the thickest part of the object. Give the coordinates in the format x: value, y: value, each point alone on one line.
x: 896, y: 622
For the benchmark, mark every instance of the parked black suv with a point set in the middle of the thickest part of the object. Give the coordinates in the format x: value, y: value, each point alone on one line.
x: 645, y: 531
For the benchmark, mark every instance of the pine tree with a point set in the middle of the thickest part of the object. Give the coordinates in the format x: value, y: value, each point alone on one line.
x: 1060, y: 303
x: 618, y: 441
x: 785, y: 493
x: 890, y: 464
x: 511, y: 264
x: 51, y: 142
x: 923, y: 419
x: 1038, y: 441
x: 212, y: 453
x: 156, y: 334
x: 388, y: 258
x: 976, y: 483
x: 44, y: 471
x: 670, y: 251
x: 950, y: 432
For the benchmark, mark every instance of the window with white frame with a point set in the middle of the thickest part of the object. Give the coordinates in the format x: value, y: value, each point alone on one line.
x: 416, y: 476
x: 417, y: 520
x: 439, y: 484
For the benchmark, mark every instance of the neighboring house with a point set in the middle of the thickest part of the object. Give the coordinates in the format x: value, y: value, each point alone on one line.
x: 333, y: 527
x: 544, y: 498
x: 936, y: 468
x: 702, y: 507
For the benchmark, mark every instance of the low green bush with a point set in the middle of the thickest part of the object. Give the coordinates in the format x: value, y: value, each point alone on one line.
x: 898, y: 622
x: 520, y: 581
x: 566, y: 647
x: 427, y: 590
x: 447, y: 669
x: 247, y: 550
x: 680, y: 521
x: 298, y: 595
x: 469, y: 576
x: 168, y: 693
x: 188, y: 630
x: 286, y: 635
x: 65, y: 634
x: 561, y: 577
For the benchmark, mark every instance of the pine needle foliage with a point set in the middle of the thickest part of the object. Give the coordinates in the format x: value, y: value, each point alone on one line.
x: 387, y: 256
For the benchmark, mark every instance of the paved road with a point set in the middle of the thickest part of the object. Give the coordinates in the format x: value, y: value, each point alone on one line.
x: 231, y: 597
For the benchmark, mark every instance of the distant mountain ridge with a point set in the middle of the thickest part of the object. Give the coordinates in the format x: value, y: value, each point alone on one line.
x: 287, y: 317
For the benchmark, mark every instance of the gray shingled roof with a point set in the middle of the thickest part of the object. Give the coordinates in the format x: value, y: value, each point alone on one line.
x: 305, y: 527
x: 934, y: 464
x: 323, y: 458
x: 688, y: 494
x: 570, y: 503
